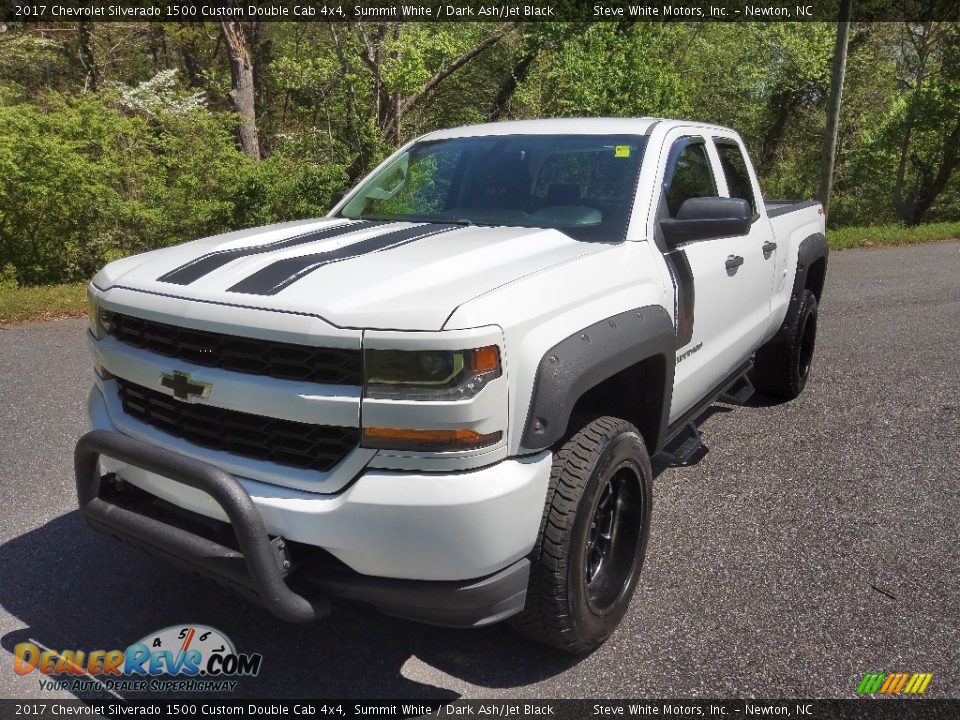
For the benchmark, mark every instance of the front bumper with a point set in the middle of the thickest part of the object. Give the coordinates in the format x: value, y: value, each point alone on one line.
x: 291, y: 580
x: 446, y: 548
x: 393, y: 524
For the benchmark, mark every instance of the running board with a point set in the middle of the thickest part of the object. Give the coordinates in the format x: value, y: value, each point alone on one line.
x: 689, y: 449
x: 738, y: 393
x: 735, y: 388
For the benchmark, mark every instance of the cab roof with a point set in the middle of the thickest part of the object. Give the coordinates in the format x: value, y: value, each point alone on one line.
x: 562, y: 126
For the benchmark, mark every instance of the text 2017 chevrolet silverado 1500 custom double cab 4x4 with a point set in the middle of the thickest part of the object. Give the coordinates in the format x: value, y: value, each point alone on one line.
x: 442, y: 398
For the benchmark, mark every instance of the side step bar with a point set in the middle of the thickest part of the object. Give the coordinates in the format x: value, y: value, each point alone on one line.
x: 260, y: 565
x: 687, y: 452
x: 739, y: 392
x: 735, y: 389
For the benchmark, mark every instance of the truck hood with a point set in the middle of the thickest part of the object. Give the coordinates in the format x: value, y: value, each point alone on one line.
x: 356, y: 274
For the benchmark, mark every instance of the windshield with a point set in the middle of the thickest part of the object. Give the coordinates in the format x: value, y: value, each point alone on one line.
x: 582, y: 185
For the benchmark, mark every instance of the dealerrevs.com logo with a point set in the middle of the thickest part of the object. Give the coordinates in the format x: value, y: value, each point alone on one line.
x: 180, y: 658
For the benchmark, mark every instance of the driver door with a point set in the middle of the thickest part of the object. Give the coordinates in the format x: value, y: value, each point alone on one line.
x: 706, y: 277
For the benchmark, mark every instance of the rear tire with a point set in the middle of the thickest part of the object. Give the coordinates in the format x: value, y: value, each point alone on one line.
x: 782, y: 366
x: 592, y: 540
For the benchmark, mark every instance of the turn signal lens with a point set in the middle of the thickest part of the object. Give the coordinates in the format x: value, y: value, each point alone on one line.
x: 485, y: 360
x: 426, y: 440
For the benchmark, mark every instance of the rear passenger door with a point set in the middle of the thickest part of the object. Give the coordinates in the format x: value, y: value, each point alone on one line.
x: 711, y: 338
x: 759, y: 250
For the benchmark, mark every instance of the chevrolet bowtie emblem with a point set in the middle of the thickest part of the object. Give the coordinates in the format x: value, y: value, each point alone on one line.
x: 183, y: 387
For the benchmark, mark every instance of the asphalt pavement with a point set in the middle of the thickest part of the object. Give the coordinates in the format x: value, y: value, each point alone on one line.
x: 816, y: 541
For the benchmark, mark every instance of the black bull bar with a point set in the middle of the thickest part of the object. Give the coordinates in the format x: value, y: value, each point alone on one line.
x: 258, y: 567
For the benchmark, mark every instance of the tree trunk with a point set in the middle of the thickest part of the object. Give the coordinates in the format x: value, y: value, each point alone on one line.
x: 242, y: 94
x: 783, y: 103
x: 931, y: 187
x: 372, y: 56
x: 260, y: 53
x: 509, y: 86
x: 828, y: 154
x: 393, y: 107
x: 88, y: 57
x: 189, y: 51
x: 158, y: 47
x: 904, y: 203
x: 359, y: 164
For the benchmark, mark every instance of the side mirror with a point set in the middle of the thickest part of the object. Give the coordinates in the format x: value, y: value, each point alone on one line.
x: 336, y: 197
x: 703, y: 218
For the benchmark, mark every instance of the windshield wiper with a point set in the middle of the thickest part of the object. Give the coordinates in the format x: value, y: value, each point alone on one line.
x: 466, y: 222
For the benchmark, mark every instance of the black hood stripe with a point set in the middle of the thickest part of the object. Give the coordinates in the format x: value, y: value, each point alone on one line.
x: 275, y: 277
x: 205, y: 264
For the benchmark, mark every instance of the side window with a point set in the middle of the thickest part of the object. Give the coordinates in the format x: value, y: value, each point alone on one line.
x: 734, y: 166
x: 688, y: 174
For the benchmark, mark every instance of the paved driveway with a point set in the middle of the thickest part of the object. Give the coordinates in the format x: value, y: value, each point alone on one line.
x: 816, y: 541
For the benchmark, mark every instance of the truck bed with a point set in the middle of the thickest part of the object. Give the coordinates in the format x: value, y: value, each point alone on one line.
x: 782, y: 207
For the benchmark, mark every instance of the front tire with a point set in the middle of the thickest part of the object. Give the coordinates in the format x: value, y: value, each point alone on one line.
x: 782, y: 366
x: 593, y: 537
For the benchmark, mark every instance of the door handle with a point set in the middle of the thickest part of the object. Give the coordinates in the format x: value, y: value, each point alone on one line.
x: 733, y: 262
x: 769, y: 247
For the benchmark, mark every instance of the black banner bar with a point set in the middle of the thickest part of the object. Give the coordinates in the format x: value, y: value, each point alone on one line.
x: 867, y: 708
x: 622, y: 11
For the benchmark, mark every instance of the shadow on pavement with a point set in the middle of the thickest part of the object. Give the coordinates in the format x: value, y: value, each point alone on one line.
x: 76, y: 589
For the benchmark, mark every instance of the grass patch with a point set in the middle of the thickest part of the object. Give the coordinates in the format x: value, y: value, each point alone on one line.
x: 43, y: 302
x: 851, y: 237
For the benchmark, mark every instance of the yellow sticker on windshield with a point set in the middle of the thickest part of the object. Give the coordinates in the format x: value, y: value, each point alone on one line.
x: 621, y: 151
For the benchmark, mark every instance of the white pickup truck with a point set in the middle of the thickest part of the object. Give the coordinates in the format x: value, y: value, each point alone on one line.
x: 442, y: 398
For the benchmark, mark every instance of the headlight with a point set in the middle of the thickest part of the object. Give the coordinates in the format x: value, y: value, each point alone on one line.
x: 98, y: 317
x: 429, y: 374
x: 93, y: 315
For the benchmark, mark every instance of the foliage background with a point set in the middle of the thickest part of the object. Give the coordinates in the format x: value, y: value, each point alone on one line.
x: 119, y: 138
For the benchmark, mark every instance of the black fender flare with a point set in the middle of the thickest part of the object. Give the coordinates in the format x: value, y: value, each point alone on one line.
x: 589, y: 356
x: 814, y: 247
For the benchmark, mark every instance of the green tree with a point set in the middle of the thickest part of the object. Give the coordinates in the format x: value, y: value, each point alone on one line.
x: 611, y: 69
x: 926, y: 119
